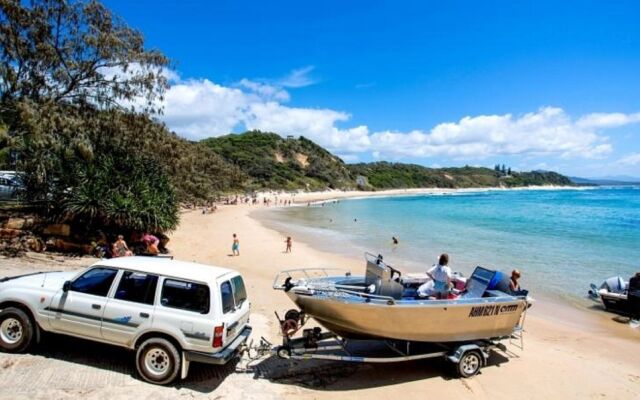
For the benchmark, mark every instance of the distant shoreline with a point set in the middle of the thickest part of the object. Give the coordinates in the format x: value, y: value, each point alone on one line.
x: 318, y: 197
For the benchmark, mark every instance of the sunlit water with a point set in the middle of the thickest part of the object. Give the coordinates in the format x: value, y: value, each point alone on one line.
x: 561, y: 240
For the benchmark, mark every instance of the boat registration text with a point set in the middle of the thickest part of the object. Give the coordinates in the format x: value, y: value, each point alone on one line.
x: 486, y: 311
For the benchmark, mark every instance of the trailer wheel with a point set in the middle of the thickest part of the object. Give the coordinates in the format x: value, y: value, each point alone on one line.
x: 469, y: 364
x: 283, y: 352
x: 292, y: 314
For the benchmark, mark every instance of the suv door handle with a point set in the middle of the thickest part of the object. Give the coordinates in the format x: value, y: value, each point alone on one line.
x: 96, y: 306
x: 144, y: 315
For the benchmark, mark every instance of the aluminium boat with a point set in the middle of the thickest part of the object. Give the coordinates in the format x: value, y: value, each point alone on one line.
x: 383, y: 304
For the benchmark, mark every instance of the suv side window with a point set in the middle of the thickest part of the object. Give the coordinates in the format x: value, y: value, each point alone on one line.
x: 239, y: 292
x: 96, y: 281
x: 185, y: 295
x: 227, y: 297
x: 137, y: 287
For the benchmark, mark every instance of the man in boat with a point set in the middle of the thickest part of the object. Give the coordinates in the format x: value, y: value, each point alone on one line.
x: 441, y: 275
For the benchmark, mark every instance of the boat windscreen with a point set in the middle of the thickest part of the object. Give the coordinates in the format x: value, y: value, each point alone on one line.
x: 478, y: 282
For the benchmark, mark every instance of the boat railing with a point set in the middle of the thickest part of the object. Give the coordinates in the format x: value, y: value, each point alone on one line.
x: 388, y: 299
x: 306, y: 273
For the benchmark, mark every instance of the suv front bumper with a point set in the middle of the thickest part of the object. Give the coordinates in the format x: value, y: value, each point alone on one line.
x: 223, y: 356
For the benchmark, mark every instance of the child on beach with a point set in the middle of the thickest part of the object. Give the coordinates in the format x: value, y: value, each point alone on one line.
x: 288, y: 242
x: 235, y: 247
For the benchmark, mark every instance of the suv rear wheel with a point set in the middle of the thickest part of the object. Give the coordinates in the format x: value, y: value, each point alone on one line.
x: 158, y: 361
x: 16, y: 330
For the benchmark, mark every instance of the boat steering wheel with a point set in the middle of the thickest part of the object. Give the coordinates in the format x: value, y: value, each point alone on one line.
x: 395, y: 271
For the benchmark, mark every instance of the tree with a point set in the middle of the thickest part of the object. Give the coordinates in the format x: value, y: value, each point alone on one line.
x: 509, y: 171
x: 68, y: 70
x: 503, y: 170
x: 75, y: 52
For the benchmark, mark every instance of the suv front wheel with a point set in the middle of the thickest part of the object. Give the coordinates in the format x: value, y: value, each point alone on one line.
x: 158, y: 361
x: 16, y: 330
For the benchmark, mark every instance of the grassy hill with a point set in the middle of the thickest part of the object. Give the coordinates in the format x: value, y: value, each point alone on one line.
x: 272, y: 162
x: 384, y: 175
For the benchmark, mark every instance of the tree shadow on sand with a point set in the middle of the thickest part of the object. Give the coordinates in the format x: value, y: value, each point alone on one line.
x: 342, y: 375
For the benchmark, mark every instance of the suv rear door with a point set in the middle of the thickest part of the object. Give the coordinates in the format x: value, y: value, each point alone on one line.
x: 235, y: 307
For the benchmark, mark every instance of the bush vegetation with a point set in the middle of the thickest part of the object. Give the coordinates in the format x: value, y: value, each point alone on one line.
x: 273, y: 162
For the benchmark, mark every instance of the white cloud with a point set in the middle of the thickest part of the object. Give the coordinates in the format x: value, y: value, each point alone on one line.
x: 546, y: 131
x: 298, y: 78
x: 610, y: 120
x: 630, y: 159
x: 199, y: 108
x: 265, y: 90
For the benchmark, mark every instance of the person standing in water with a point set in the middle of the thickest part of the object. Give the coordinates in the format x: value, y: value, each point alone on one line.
x: 288, y: 242
x: 235, y: 247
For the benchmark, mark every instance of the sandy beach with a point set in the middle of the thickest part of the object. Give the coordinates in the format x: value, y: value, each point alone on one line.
x: 567, y: 353
x: 302, y: 197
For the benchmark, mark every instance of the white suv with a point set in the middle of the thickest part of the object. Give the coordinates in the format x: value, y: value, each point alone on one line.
x: 170, y: 312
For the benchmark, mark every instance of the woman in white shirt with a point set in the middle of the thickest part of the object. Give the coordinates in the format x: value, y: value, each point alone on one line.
x: 441, y: 275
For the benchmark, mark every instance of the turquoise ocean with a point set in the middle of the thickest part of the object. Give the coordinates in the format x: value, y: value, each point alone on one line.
x: 561, y: 240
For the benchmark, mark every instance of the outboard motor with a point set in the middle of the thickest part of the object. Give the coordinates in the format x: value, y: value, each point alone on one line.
x: 615, y: 284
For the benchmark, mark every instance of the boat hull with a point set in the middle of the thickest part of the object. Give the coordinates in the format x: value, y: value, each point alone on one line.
x: 615, y: 302
x: 423, y: 321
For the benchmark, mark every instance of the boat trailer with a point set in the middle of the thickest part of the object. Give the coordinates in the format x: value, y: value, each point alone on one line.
x: 314, y: 344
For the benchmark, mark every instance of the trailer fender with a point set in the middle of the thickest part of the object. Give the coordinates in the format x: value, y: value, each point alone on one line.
x: 457, y: 354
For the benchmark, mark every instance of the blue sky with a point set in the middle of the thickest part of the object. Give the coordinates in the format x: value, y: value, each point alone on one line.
x: 530, y: 84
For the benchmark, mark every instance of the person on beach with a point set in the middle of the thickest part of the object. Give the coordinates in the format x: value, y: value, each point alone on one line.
x: 514, y: 285
x: 151, y: 242
x: 441, y: 275
x: 288, y: 242
x: 235, y: 247
x: 120, y: 248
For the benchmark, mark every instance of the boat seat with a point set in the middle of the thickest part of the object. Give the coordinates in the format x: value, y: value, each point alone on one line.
x: 478, y: 283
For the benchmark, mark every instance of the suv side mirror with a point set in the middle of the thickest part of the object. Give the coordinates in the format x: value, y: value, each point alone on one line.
x: 66, y: 286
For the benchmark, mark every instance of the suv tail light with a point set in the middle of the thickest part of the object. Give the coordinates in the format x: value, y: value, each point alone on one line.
x: 217, y: 336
